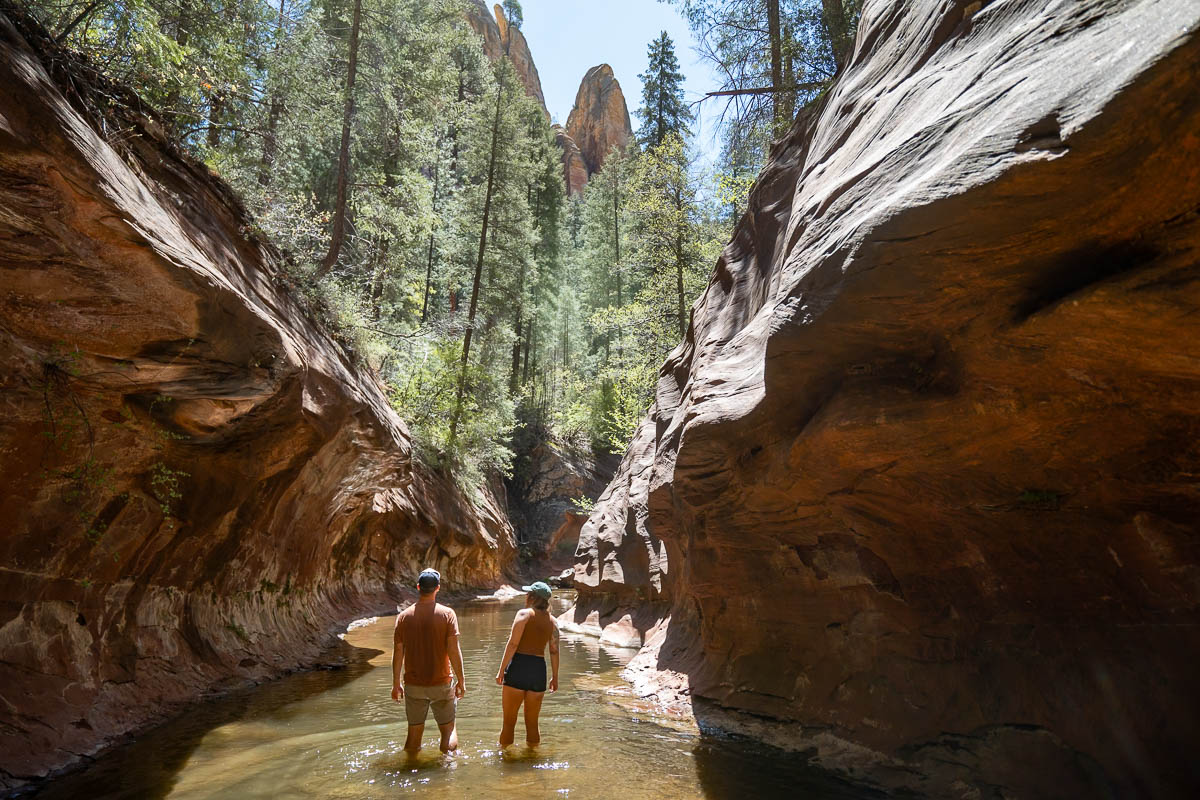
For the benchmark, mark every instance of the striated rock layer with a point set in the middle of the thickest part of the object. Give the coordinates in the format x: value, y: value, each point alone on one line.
x: 920, y: 485
x: 197, y: 486
x: 599, y: 121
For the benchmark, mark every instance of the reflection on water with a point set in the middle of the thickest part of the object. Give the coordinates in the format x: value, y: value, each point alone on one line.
x: 338, y: 734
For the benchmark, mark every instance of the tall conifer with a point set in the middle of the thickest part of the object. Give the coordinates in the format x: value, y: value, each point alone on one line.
x: 663, y: 110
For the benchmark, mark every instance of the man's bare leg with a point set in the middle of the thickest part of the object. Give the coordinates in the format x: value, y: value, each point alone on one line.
x: 449, y: 737
x: 413, y: 743
x: 511, y: 704
x: 533, y: 707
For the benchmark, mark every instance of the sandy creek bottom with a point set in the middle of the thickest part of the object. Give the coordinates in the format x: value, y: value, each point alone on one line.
x: 338, y: 734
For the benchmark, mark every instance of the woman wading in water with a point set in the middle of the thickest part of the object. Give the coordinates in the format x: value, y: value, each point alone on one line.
x: 523, y: 668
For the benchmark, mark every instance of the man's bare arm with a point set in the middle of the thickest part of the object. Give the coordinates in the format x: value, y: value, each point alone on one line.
x: 454, y: 650
x: 397, y: 663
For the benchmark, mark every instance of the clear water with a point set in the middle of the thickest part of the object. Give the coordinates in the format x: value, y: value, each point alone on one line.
x: 338, y: 734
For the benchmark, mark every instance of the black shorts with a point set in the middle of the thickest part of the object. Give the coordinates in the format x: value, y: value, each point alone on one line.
x: 526, y: 672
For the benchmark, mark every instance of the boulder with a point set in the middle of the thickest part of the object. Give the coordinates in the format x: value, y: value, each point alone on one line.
x: 564, y: 580
x: 919, y: 486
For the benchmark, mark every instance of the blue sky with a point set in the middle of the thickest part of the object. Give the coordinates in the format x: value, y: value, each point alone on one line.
x: 569, y: 37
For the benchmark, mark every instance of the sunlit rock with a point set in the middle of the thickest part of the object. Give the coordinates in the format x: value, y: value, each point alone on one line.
x: 198, y: 486
x: 919, y: 487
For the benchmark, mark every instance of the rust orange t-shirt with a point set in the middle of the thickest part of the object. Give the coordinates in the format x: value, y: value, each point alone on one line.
x: 425, y: 630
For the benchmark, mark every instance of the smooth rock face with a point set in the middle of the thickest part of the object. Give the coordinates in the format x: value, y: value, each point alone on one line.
x: 549, y: 480
x: 921, y: 482
x: 197, y: 487
x: 599, y: 121
x: 575, y: 172
x: 501, y: 40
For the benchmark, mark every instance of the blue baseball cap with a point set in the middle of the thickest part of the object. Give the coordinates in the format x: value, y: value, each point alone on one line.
x: 429, y: 578
x: 540, y: 588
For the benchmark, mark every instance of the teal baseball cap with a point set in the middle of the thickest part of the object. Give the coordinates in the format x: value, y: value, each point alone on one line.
x: 540, y: 588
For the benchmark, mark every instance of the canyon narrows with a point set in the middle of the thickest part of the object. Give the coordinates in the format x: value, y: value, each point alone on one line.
x: 199, y: 486
x: 919, y: 488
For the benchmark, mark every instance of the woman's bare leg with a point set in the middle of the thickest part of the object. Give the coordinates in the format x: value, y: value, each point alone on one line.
x: 511, y: 704
x: 533, y: 707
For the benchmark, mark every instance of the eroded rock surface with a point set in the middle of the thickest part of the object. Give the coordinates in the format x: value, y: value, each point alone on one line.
x: 551, y: 481
x: 501, y: 40
x: 575, y: 172
x: 197, y: 486
x: 599, y: 121
x: 919, y: 489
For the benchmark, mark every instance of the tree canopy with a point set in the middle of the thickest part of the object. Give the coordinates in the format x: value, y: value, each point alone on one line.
x: 663, y: 110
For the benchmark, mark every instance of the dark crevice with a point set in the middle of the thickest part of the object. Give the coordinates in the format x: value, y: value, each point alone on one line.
x: 1084, y: 267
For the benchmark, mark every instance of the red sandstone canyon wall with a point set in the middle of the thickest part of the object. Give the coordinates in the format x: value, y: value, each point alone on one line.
x: 198, y: 486
x: 920, y: 484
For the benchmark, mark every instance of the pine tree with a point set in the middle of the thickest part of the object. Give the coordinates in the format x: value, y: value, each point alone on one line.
x: 663, y: 110
x: 513, y: 13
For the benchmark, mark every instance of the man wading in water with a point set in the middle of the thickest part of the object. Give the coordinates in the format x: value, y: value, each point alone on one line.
x: 523, y: 668
x: 426, y: 645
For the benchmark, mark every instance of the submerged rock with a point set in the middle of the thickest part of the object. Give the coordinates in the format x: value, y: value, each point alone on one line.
x: 919, y: 487
x: 198, y: 486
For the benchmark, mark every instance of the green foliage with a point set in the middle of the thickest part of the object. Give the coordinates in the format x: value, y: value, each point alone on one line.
x: 237, y: 630
x: 583, y: 505
x: 816, y: 38
x: 663, y: 111
x: 453, y: 172
x: 512, y: 13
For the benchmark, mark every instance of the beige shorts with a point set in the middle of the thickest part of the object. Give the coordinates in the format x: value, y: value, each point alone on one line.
x: 419, y: 699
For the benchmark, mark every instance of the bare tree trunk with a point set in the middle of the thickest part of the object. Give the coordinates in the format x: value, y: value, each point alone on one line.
x: 343, y: 175
x: 483, y: 232
x: 216, y: 105
x: 87, y: 12
x: 271, y: 139
x: 787, y: 100
x: 381, y: 270
x: 679, y: 236
x: 837, y: 26
x: 528, y: 345
x: 617, y: 243
x: 429, y: 261
x: 773, y: 31
x: 515, y: 371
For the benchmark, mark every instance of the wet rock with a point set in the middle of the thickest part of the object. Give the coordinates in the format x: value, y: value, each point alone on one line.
x: 198, y: 486
x: 599, y: 121
x: 921, y: 477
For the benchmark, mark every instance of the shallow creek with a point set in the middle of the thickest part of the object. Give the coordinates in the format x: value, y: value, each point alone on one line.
x: 338, y: 734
